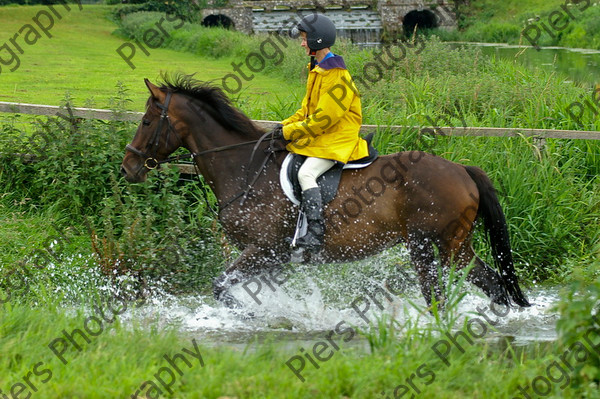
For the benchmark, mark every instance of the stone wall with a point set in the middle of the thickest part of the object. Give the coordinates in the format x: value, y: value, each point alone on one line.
x: 391, y: 12
x: 241, y: 17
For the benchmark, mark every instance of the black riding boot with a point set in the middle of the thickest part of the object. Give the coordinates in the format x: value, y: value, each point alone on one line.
x: 313, y: 208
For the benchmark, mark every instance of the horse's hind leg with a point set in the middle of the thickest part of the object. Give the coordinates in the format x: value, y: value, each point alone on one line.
x: 423, y: 258
x: 484, y: 277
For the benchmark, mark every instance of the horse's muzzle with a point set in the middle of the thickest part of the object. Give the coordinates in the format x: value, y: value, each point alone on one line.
x: 132, y: 177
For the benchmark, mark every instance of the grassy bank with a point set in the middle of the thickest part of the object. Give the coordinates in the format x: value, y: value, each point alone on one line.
x: 81, y: 59
x: 73, y: 234
x: 403, y: 360
x: 504, y: 21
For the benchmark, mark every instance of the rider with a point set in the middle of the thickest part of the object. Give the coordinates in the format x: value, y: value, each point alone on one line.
x: 325, y: 129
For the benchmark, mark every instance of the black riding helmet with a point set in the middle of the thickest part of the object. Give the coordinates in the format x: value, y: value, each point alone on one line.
x: 320, y: 31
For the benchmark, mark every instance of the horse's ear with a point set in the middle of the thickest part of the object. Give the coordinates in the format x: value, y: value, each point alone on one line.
x: 155, y: 91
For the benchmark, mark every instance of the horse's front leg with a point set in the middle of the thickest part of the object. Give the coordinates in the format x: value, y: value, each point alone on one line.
x: 252, y: 261
x: 423, y: 258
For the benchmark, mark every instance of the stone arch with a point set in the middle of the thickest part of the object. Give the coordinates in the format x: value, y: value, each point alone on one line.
x: 218, y: 20
x: 424, y: 19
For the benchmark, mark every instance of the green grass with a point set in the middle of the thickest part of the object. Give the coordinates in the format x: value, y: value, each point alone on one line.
x: 503, y: 21
x: 120, y: 358
x: 509, y: 10
x: 81, y: 59
x: 21, y: 233
x: 551, y: 201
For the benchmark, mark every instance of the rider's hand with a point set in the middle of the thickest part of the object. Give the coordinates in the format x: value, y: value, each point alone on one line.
x: 277, y: 132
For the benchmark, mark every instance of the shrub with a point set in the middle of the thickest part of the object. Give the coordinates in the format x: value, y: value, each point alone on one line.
x: 188, y: 10
x: 158, y: 233
x: 70, y: 165
x: 580, y: 318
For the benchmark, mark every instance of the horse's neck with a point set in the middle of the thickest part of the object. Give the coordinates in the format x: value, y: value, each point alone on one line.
x: 224, y: 171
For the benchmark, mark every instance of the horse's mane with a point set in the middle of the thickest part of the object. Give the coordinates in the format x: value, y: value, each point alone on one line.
x: 220, y: 106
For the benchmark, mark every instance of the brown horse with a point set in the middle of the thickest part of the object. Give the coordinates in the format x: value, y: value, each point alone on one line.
x: 411, y: 197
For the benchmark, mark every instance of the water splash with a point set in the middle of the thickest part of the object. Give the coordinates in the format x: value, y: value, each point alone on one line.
x: 314, y: 301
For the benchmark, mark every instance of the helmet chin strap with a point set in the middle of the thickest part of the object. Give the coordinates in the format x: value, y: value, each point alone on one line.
x: 313, y: 60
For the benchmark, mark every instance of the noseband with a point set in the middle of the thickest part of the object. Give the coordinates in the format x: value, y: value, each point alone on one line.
x: 151, y: 162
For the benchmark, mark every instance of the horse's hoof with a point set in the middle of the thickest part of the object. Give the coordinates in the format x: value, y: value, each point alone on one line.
x: 297, y: 255
x: 229, y: 300
x: 222, y: 283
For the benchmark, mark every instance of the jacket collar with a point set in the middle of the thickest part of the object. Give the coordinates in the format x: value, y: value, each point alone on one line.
x: 332, y: 62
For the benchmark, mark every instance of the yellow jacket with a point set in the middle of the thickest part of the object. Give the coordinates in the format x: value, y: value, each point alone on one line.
x: 328, y: 123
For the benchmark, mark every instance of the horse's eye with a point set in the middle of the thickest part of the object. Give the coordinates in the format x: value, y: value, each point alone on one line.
x: 145, y: 122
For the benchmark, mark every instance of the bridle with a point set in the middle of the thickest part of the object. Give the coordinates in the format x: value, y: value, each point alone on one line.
x: 151, y: 162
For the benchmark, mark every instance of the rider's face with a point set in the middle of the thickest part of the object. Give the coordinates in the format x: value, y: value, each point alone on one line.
x: 304, y: 43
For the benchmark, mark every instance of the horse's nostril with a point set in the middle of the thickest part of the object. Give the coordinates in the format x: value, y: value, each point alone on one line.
x: 123, y: 171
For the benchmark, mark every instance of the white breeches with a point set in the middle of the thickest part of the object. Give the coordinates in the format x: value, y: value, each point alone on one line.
x: 311, y: 169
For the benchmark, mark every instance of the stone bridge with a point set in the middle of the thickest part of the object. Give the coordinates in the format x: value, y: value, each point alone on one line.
x: 362, y: 21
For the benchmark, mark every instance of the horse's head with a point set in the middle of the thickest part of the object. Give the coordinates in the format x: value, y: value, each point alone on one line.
x: 185, y: 112
x: 159, y: 134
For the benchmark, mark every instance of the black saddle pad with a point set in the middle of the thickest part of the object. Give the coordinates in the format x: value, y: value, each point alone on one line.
x: 329, y: 181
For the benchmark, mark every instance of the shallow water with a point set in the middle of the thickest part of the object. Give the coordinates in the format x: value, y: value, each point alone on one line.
x: 578, y: 65
x: 314, y: 299
x: 297, y: 315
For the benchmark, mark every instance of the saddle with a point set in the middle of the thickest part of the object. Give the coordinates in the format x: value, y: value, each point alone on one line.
x: 328, y: 182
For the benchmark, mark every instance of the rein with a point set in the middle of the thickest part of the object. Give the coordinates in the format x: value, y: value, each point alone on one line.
x: 217, y: 149
x: 152, y: 163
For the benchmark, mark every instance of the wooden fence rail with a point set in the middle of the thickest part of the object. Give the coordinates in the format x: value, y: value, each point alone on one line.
x: 84, y: 113
x: 130, y: 116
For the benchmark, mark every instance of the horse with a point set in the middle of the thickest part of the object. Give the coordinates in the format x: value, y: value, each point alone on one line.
x: 415, y: 198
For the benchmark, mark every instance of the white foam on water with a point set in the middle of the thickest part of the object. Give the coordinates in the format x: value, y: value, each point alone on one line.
x: 313, y: 301
x: 304, y: 311
x: 524, y: 325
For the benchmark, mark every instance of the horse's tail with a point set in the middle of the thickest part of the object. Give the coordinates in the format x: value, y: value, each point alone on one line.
x: 497, y: 231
